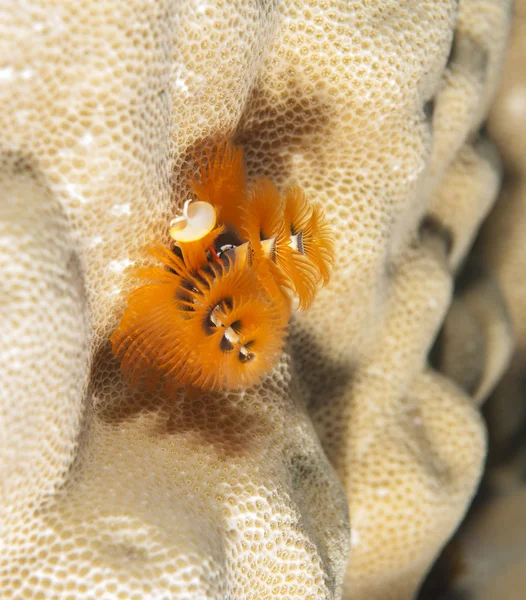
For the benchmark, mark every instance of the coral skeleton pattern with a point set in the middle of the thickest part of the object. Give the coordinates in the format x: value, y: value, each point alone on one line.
x: 215, y: 314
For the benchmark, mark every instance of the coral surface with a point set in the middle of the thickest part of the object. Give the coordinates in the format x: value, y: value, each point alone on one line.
x: 374, y: 108
x: 491, y: 546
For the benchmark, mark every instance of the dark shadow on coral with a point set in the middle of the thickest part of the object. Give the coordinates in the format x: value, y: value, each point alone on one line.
x: 275, y: 131
x: 429, y: 110
x: 223, y: 420
x: 322, y: 380
x: 470, y: 275
x: 511, y: 450
x: 323, y: 385
x: 449, y: 567
x: 269, y: 134
x: 217, y: 420
x: 432, y: 227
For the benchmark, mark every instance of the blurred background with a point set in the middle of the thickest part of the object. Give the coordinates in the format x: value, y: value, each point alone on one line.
x: 486, y: 559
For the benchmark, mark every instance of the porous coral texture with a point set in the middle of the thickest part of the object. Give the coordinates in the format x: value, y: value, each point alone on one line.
x: 492, y: 543
x: 106, y: 106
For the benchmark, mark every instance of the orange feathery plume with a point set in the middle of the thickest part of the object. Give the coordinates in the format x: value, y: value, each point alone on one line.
x: 262, y: 213
x: 262, y: 224
x: 298, y: 267
x: 136, y: 339
x: 309, y: 231
x: 215, y: 314
x: 194, y: 253
x: 270, y: 222
x: 317, y: 243
x: 223, y: 183
x: 215, y: 328
x: 297, y: 209
x: 237, y: 330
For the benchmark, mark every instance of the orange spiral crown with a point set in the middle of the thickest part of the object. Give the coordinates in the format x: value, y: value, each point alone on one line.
x: 215, y: 314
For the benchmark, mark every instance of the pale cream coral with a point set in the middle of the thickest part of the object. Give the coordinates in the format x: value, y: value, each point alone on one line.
x: 232, y: 496
x: 491, y: 545
x: 45, y: 379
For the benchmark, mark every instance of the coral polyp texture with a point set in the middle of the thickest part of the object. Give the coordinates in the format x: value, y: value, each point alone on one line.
x: 491, y: 544
x: 215, y: 316
x: 344, y: 471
